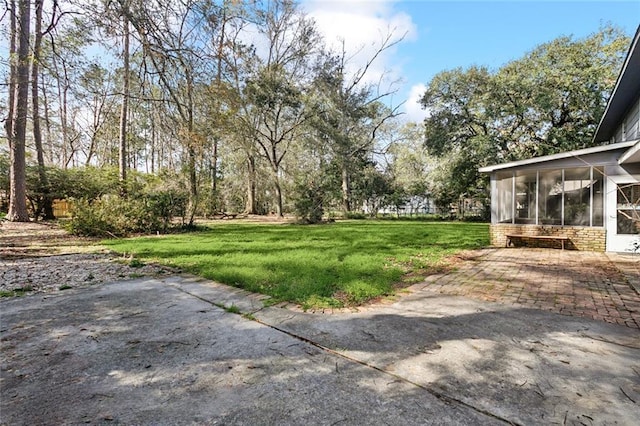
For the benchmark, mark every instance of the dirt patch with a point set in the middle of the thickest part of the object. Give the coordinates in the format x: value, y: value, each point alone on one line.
x: 25, y: 239
x: 44, y: 258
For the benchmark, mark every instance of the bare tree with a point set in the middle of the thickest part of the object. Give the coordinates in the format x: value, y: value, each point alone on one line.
x: 45, y: 202
x: 352, y: 112
x: 122, y: 139
x: 274, y: 107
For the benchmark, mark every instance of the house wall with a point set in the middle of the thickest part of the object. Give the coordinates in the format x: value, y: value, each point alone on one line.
x: 619, y: 175
x: 580, y: 238
x: 629, y: 129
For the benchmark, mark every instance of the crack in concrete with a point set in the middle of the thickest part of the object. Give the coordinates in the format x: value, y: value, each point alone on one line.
x: 439, y: 395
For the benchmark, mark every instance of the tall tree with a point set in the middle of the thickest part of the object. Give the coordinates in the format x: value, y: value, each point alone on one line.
x: 17, y: 140
x: 45, y: 202
x: 226, y: 25
x: 122, y: 136
x: 236, y: 119
x: 95, y: 88
x: 350, y: 111
x: 65, y: 64
x: 13, y: 73
x: 171, y: 46
x: 275, y: 109
x: 552, y: 99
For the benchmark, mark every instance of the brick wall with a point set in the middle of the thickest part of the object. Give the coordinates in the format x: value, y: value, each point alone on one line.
x: 580, y: 238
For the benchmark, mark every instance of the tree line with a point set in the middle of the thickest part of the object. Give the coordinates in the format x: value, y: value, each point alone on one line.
x: 219, y: 106
x: 550, y: 100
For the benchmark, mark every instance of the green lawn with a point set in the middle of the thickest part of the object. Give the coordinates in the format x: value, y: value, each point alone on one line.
x: 336, y: 264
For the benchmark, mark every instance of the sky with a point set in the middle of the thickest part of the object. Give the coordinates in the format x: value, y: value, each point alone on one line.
x: 444, y: 35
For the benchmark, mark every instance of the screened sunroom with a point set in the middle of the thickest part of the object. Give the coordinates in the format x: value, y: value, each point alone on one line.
x: 589, y: 197
x: 567, y: 196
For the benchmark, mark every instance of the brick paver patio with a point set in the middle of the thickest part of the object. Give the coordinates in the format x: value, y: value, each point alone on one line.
x: 601, y: 286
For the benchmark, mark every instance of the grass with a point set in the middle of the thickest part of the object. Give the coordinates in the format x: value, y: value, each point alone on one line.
x: 20, y: 291
x: 136, y: 263
x: 338, y: 264
x: 233, y: 309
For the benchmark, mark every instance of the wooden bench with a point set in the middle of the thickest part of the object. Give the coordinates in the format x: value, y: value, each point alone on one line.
x: 511, y: 237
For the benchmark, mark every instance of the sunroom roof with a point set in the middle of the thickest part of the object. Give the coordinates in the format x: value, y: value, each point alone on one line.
x: 632, y: 155
x: 563, y: 155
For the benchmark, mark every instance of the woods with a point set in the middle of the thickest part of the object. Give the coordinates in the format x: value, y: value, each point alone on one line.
x: 204, y: 107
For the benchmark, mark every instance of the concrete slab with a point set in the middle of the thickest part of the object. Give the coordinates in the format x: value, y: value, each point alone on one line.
x: 169, y: 351
x: 522, y: 365
x: 161, y: 352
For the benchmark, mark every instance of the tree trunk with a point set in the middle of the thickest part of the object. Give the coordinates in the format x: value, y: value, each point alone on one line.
x: 62, y: 85
x: 153, y: 144
x: 276, y: 185
x: 213, y: 166
x: 251, y: 207
x: 45, y: 204
x: 47, y: 122
x: 122, y: 151
x: 346, y: 190
x: 13, y: 76
x: 214, y: 169
x: 18, y: 201
x: 191, y: 141
x: 193, y: 188
x: 275, y: 167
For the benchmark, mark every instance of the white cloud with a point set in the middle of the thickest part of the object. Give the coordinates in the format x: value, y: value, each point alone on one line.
x: 359, y: 22
x: 363, y: 25
x: 412, y: 107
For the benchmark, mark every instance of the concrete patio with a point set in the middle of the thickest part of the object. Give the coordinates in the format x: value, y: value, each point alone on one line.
x: 174, y: 351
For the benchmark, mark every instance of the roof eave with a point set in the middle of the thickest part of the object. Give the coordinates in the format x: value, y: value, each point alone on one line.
x: 627, y: 85
x: 559, y: 156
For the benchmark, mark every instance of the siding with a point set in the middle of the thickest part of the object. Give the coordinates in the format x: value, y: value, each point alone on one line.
x: 629, y: 129
x: 632, y: 122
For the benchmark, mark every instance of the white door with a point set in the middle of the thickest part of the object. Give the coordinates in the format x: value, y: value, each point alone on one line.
x: 623, y: 215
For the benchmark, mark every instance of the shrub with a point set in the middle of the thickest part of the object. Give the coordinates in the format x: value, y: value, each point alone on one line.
x: 88, y: 219
x: 115, y: 216
x: 308, y: 202
x: 355, y: 215
x: 166, y: 204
